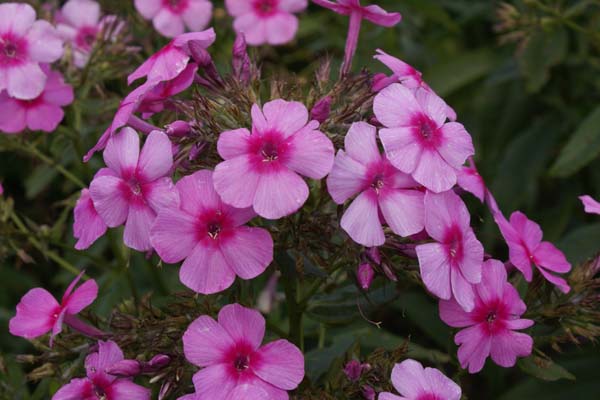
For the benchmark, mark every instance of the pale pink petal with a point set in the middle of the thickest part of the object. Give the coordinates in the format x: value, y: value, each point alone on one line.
x: 44, y: 44
x: 519, y: 257
x: 310, y: 153
x: 379, y: 16
x: 346, y: 178
x: 456, y: 144
x: 441, y: 385
x: 214, y: 382
x: 474, y: 348
x: 197, y: 193
x: 243, y: 325
x: 281, y: 28
x: 283, y: 372
x: 26, y: 81
x: 173, y: 235
x: 389, y: 396
x: 287, y: 117
x: 148, y: 8
x: 508, y: 345
x: 253, y: 28
x: 338, y: 7
x: 236, y: 182
x: 515, y: 306
x: 434, y: 173
x: 237, y: 8
x: 35, y: 314
x: 398, y: 67
x: 442, y: 211
x: 361, y: 221
x: 122, y: 152
x: 551, y: 258
x: 205, y: 342
x: 493, y: 281
x: 453, y: 314
x: 293, y: 6
x: 403, y: 210
x: 206, y: 271
x: 82, y: 297
x: 435, y: 269
x: 81, y: 12
x: 44, y: 117
x: 562, y: 284
x: 109, y: 353
x: 239, y: 216
x: 156, y: 158
x: 519, y: 324
x: 109, y: 201
x: 233, y: 143
x: 13, y: 118
x: 360, y: 143
x: 16, y: 18
x: 433, y: 106
x: 470, y: 265
x: 168, y: 23
x: 77, y: 389
x: 408, y: 378
x: 57, y: 92
x: 88, y: 226
x: 198, y: 14
x: 471, y: 181
x: 280, y: 192
x: 591, y: 206
x: 246, y: 392
x: 530, y: 232
x: 161, y: 194
x: 462, y: 290
x: 137, y: 228
x: 259, y: 122
x: 124, y: 389
x: 401, y: 148
x: 248, y: 251
x: 396, y: 106
x: 273, y: 392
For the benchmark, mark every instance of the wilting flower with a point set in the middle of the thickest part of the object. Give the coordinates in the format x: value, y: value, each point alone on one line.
x: 80, y: 24
x: 266, y: 21
x: 171, y: 17
x: 42, y: 113
x: 418, y: 141
x: 135, y: 186
x: 470, y: 180
x: 87, y: 225
x: 490, y: 326
x: 230, y: 355
x: 357, y: 13
x: 452, y: 265
x: 171, y: 60
x: 262, y: 168
x: 524, y: 240
x: 211, y: 237
x: 24, y: 43
x: 381, y: 188
x: 39, y: 312
x: 414, y: 382
x: 590, y: 205
x: 98, y: 385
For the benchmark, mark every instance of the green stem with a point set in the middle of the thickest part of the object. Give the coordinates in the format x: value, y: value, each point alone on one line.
x: 34, y: 151
x: 290, y: 284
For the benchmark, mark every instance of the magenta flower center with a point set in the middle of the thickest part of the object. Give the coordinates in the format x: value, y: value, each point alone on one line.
x: 426, y: 131
x: 86, y: 37
x: 269, y: 151
x: 491, y: 317
x: 242, y: 362
x: 454, y: 243
x: 135, y: 187
x: 13, y: 50
x: 176, y: 6
x: 213, y: 229
x: 378, y: 183
x: 100, y: 393
x: 266, y: 7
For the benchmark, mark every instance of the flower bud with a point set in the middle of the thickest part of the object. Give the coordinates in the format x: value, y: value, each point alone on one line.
x: 125, y: 368
x: 202, y: 57
x: 353, y: 370
x: 159, y: 361
x: 321, y: 109
x: 178, y: 129
x: 241, y: 61
x: 365, y: 275
x: 368, y: 393
x: 373, y: 255
x: 389, y: 273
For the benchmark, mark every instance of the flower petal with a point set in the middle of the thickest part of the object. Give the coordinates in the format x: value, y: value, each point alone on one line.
x: 361, y: 143
x: 35, y: 314
x: 124, y: 389
x: 156, y: 158
x: 173, y: 235
x: 109, y: 200
x: 122, y: 152
x: 396, y: 106
x: 474, y: 348
x: 248, y: 251
x: 233, y: 143
x: 346, y: 178
x: 361, y: 221
x: 214, y: 382
x: 280, y: 192
x: 244, y: 325
x: 508, y: 345
x: 205, y: 342
x: 434, y: 173
x: 206, y: 271
x: 403, y: 210
x: 408, y: 378
x: 137, y: 228
x: 401, y: 148
x: 456, y: 145
x: 453, y: 314
x: 435, y: 269
x: 236, y: 181
x: 310, y: 153
x: 283, y: 372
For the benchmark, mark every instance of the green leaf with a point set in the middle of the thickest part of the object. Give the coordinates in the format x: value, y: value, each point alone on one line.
x: 583, y: 147
x: 318, y: 361
x: 542, y: 51
x: 582, y: 243
x: 544, y: 369
x: 41, y: 177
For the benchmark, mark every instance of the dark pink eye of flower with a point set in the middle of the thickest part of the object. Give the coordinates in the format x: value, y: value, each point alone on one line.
x: 266, y: 7
x: 242, y: 362
x: 100, y: 393
x: 453, y: 242
x: 427, y: 131
x: 378, y: 183
x: 177, y: 6
x: 135, y: 187
x: 12, y: 49
x: 214, y: 228
x: 269, y: 151
x: 269, y: 147
x: 86, y: 37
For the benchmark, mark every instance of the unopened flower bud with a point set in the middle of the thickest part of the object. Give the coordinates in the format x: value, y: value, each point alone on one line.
x: 321, y: 109
x: 374, y: 255
x: 178, y: 129
x: 368, y: 393
x: 389, y: 273
x: 353, y: 370
x: 240, y: 61
x: 202, y: 57
x: 159, y: 362
x: 125, y: 368
x: 365, y: 275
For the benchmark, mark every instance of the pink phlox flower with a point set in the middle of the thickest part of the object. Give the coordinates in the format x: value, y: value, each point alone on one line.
x: 381, y: 188
x: 79, y: 24
x: 24, y: 44
x: 171, y: 17
x: 372, y: 13
x: 418, y: 140
x: 87, y: 225
x: 171, y: 60
x: 135, y: 186
x: 452, y: 265
x: 414, y: 382
x: 42, y: 113
x: 266, y: 21
x: 230, y: 353
x: 405, y: 74
x: 262, y: 168
x: 39, y: 312
x: 211, y: 237
x: 590, y: 205
x: 524, y: 240
x: 98, y: 385
x: 490, y: 326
